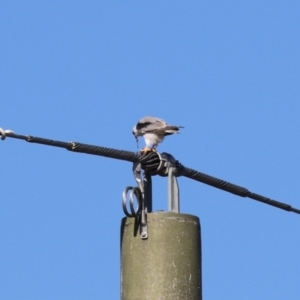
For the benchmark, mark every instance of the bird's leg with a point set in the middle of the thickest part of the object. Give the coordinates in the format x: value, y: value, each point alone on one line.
x: 146, y: 150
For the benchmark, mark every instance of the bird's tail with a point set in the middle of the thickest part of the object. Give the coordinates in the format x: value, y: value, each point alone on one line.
x: 170, y: 129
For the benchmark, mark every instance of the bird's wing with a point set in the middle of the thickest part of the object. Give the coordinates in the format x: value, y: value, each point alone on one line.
x: 151, y: 124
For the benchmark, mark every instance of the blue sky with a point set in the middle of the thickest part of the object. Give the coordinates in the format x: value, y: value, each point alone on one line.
x: 87, y: 71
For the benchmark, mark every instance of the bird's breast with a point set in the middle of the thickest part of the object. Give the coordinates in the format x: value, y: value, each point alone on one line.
x: 153, y: 138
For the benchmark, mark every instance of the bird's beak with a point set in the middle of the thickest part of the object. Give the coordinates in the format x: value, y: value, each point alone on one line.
x: 136, y: 138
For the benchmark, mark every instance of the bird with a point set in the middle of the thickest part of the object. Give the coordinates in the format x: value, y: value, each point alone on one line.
x: 153, y: 130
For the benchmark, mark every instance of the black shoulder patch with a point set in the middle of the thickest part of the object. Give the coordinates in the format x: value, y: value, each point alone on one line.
x: 142, y: 125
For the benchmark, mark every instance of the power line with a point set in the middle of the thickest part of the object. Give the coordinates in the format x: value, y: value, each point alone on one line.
x: 151, y: 162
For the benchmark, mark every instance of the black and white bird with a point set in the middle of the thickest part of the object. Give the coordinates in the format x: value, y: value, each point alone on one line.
x: 154, y: 131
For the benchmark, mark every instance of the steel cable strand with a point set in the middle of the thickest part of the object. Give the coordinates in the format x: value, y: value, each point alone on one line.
x: 149, y: 162
x: 77, y: 147
x: 235, y: 189
x: 272, y: 202
x: 213, y: 181
x: 103, y: 151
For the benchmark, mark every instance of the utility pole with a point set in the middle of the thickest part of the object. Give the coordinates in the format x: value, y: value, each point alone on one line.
x: 160, y: 251
x: 167, y: 265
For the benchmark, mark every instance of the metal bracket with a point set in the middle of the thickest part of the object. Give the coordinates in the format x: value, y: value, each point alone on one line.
x: 173, y: 191
x: 167, y: 166
x: 145, y: 185
x: 170, y: 167
x: 143, y: 194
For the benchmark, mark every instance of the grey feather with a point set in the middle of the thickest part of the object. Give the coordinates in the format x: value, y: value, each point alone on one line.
x: 154, y: 130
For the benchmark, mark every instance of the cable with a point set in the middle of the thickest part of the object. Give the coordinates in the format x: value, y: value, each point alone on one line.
x: 103, y: 151
x: 234, y: 189
x: 215, y: 182
x: 148, y: 162
x: 77, y: 147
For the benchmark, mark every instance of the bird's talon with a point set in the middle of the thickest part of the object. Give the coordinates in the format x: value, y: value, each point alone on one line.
x: 147, y: 150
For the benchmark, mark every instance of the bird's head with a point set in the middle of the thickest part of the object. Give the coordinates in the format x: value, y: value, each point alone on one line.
x: 134, y: 132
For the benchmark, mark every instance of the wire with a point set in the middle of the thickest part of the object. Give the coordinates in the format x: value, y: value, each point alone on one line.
x: 103, y: 151
x: 137, y: 157
x: 234, y: 189
x: 77, y: 147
